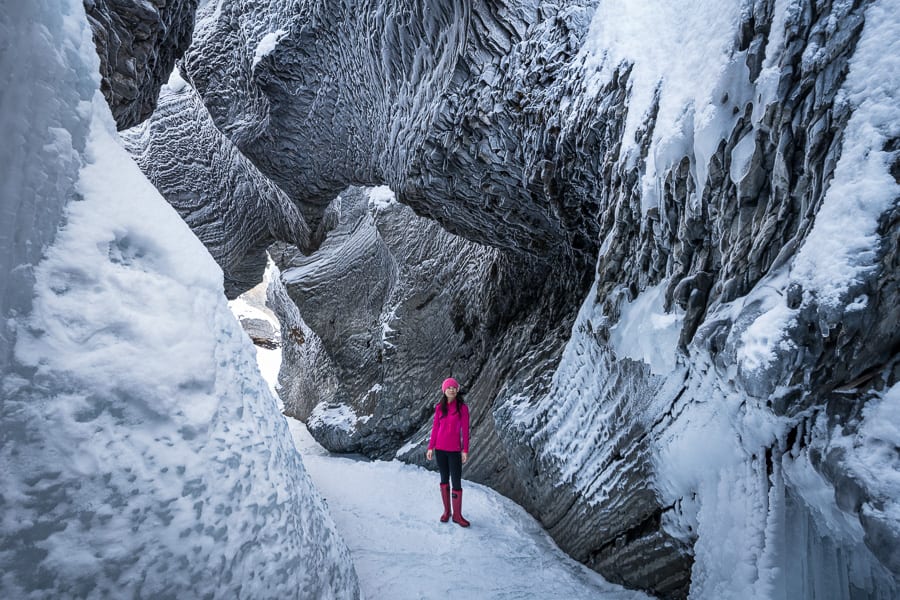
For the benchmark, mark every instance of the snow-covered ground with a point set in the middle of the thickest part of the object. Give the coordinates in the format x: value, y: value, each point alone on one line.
x: 387, y: 513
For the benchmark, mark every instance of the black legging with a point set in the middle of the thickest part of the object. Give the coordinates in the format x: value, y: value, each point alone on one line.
x: 450, y: 465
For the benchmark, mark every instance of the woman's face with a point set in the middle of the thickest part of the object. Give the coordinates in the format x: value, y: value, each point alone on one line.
x: 450, y: 392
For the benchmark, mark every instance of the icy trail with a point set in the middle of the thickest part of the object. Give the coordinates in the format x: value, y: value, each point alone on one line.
x: 387, y: 513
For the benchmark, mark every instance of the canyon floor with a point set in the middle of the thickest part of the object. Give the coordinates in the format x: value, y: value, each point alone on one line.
x: 387, y: 513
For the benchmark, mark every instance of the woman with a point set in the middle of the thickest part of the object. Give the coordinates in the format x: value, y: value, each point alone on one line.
x: 450, y: 439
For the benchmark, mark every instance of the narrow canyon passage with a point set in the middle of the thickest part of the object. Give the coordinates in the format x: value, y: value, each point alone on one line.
x: 386, y: 511
x: 656, y: 243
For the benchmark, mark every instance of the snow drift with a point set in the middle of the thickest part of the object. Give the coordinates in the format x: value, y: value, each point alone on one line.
x: 141, y: 452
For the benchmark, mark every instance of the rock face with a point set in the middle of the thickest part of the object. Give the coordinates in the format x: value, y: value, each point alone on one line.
x: 138, y: 42
x: 673, y: 264
x: 261, y: 333
x: 391, y: 305
x: 234, y: 210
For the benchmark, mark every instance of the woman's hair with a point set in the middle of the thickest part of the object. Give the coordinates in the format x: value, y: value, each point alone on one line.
x: 459, y: 402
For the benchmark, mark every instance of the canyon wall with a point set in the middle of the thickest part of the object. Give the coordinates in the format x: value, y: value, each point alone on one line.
x: 657, y: 246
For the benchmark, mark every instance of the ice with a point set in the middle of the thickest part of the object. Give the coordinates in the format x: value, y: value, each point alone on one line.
x: 142, y: 454
x: 646, y: 332
x: 740, y: 157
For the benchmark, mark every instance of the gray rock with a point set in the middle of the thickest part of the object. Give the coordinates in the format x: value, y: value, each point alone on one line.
x: 261, y: 333
x: 234, y: 210
x: 138, y: 42
x: 479, y: 118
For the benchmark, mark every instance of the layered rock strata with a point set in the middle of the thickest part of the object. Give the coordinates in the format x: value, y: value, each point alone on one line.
x: 234, y: 210
x: 391, y: 305
x: 723, y: 317
x: 138, y: 42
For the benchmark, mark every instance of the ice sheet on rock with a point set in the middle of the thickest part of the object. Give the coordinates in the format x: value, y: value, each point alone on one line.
x: 142, y: 454
x: 646, y: 332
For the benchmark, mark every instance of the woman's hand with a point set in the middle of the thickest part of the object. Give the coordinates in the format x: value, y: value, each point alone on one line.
x: 465, y: 457
x: 429, y: 454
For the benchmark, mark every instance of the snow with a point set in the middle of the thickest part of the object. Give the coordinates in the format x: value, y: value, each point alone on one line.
x: 380, y: 197
x: 176, y: 82
x: 388, y: 514
x: 758, y: 346
x: 761, y: 528
x: 142, y: 452
x: 34, y: 130
x: 340, y: 416
x: 842, y: 247
x: 681, y: 52
x: 763, y: 338
x: 266, y: 45
x: 646, y: 332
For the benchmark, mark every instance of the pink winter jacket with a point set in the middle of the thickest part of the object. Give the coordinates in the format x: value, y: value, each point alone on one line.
x: 446, y: 431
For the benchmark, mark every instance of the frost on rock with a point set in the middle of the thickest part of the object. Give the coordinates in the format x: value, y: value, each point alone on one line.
x: 670, y: 233
x: 141, y: 453
x: 230, y: 206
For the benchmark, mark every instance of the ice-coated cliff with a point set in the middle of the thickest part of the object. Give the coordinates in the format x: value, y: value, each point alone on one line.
x: 666, y: 272
x: 141, y: 453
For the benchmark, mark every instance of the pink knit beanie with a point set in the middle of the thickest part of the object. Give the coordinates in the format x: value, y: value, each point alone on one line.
x: 449, y: 382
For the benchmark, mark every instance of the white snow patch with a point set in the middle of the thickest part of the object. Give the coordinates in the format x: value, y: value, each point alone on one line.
x: 340, y: 416
x: 760, y: 340
x: 409, y: 447
x: 266, y: 45
x: 646, y: 332
x: 381, y: 197
x: 842, y: 247
x: 176, y: 82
